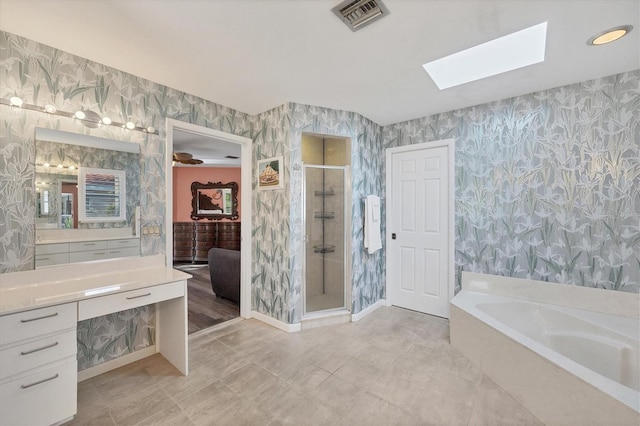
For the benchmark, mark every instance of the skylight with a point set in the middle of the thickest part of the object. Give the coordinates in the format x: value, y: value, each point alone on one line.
x: 513, y: 51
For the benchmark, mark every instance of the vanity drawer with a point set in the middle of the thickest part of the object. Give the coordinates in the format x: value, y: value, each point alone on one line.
x: 124, y: 252
x: 88, y: 245
x: 104, y: 305
x: 27, y: 356
x: 52, y: 248
x: 51, y: 259
x: 42, y: 398
x: 85, y: 256
x: 124, y: 243
x: 37, y: 322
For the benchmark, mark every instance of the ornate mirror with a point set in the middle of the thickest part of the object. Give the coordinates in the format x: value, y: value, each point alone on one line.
x: 214, y: 201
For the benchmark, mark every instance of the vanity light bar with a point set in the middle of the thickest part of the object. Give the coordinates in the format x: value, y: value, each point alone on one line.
x: 59, y: 166
x: 86, y: 119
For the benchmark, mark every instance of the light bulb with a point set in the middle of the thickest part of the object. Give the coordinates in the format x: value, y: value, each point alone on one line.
x: 151, y: 129
x: 80, y: 115
x: 50, y: 108
x: 16, y: 101
x: 46, y: 164
x: 60, y: 166
x: 130, y: 125
x: 71, y: 167
x: 106, y: 120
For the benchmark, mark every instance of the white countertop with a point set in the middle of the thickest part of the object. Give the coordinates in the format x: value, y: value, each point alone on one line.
x: 26, y: 290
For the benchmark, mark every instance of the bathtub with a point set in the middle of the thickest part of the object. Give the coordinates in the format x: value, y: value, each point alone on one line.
x: 570, y: 355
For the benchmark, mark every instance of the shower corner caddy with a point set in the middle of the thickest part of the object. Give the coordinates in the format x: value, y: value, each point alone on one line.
x: 324, y: 215
x: 324, y: 249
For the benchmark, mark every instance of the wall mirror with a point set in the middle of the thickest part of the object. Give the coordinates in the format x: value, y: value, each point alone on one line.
x: 214, y: 201
x: 108, y: 192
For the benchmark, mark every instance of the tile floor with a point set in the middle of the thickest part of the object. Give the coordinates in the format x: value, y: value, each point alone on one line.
x: 392, y: 367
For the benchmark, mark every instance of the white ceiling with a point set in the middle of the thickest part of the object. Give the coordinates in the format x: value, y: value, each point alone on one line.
x: 253, y: 55
x: 211, y: 151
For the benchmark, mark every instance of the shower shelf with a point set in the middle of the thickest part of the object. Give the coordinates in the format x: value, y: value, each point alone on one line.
x: 324, y: 249
x: 324, y: 215
x: 328, y: 193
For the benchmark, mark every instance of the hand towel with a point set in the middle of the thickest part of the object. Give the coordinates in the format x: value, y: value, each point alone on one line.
x: 372, y: 239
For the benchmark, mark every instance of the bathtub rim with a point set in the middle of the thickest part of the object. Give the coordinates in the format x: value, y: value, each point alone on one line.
x: 611, y: 302
x: 466, y: 300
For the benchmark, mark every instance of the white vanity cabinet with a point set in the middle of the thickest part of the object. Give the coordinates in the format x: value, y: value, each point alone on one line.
x: 83, y: 251
x: 38, y: 367
x: 39, y: 312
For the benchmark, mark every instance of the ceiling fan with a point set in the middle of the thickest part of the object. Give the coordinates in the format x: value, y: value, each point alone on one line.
x: 185, y: 158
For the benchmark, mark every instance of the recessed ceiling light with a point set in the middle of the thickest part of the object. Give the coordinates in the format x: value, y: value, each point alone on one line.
x: 610, y: 35
x: 50, y: 108
x: 80, y: 115
x: 16, y: 101
x: 513, y: 51
x: 106, y: 120
x: 129, y: 125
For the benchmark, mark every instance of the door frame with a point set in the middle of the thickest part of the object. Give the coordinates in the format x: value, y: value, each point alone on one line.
x: 389, y: 261
x: 246, y: 197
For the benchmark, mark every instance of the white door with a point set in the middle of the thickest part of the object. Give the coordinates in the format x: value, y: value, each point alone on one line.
x: 420, y: 227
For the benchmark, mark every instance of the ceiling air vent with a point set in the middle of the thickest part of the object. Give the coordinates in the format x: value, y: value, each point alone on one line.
x: 359, y: 13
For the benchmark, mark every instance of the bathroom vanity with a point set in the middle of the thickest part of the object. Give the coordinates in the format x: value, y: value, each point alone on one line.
x: 39, y: 311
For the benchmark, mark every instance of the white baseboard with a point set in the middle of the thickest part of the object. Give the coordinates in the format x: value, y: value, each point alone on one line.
x: 289, y: 328
x: 366, y: 311
x: 324, y: 319
x: 96, y: 370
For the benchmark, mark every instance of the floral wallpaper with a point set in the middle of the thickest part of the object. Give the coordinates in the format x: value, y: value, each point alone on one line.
x: 270, y: 280
x: 547, y: 184
x: 111, y: 336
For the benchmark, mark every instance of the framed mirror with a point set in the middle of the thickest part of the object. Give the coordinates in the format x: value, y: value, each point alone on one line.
x: 214, y: 201
x: 59, y: 158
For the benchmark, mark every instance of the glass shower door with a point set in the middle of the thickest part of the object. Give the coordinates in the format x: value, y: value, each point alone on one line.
x: 325, y: 241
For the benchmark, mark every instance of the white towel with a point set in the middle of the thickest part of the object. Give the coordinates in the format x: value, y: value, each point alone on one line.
x: 372, y: 239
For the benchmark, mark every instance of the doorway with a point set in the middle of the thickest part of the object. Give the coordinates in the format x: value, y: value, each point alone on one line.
x: 69, y: 205
x: 420, y: 226
x: 201, y: 283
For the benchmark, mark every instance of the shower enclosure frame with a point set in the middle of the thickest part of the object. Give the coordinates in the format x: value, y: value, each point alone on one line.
x: 347, y: 241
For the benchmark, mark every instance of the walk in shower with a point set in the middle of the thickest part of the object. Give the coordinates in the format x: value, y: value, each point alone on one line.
x: 326, y: 225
